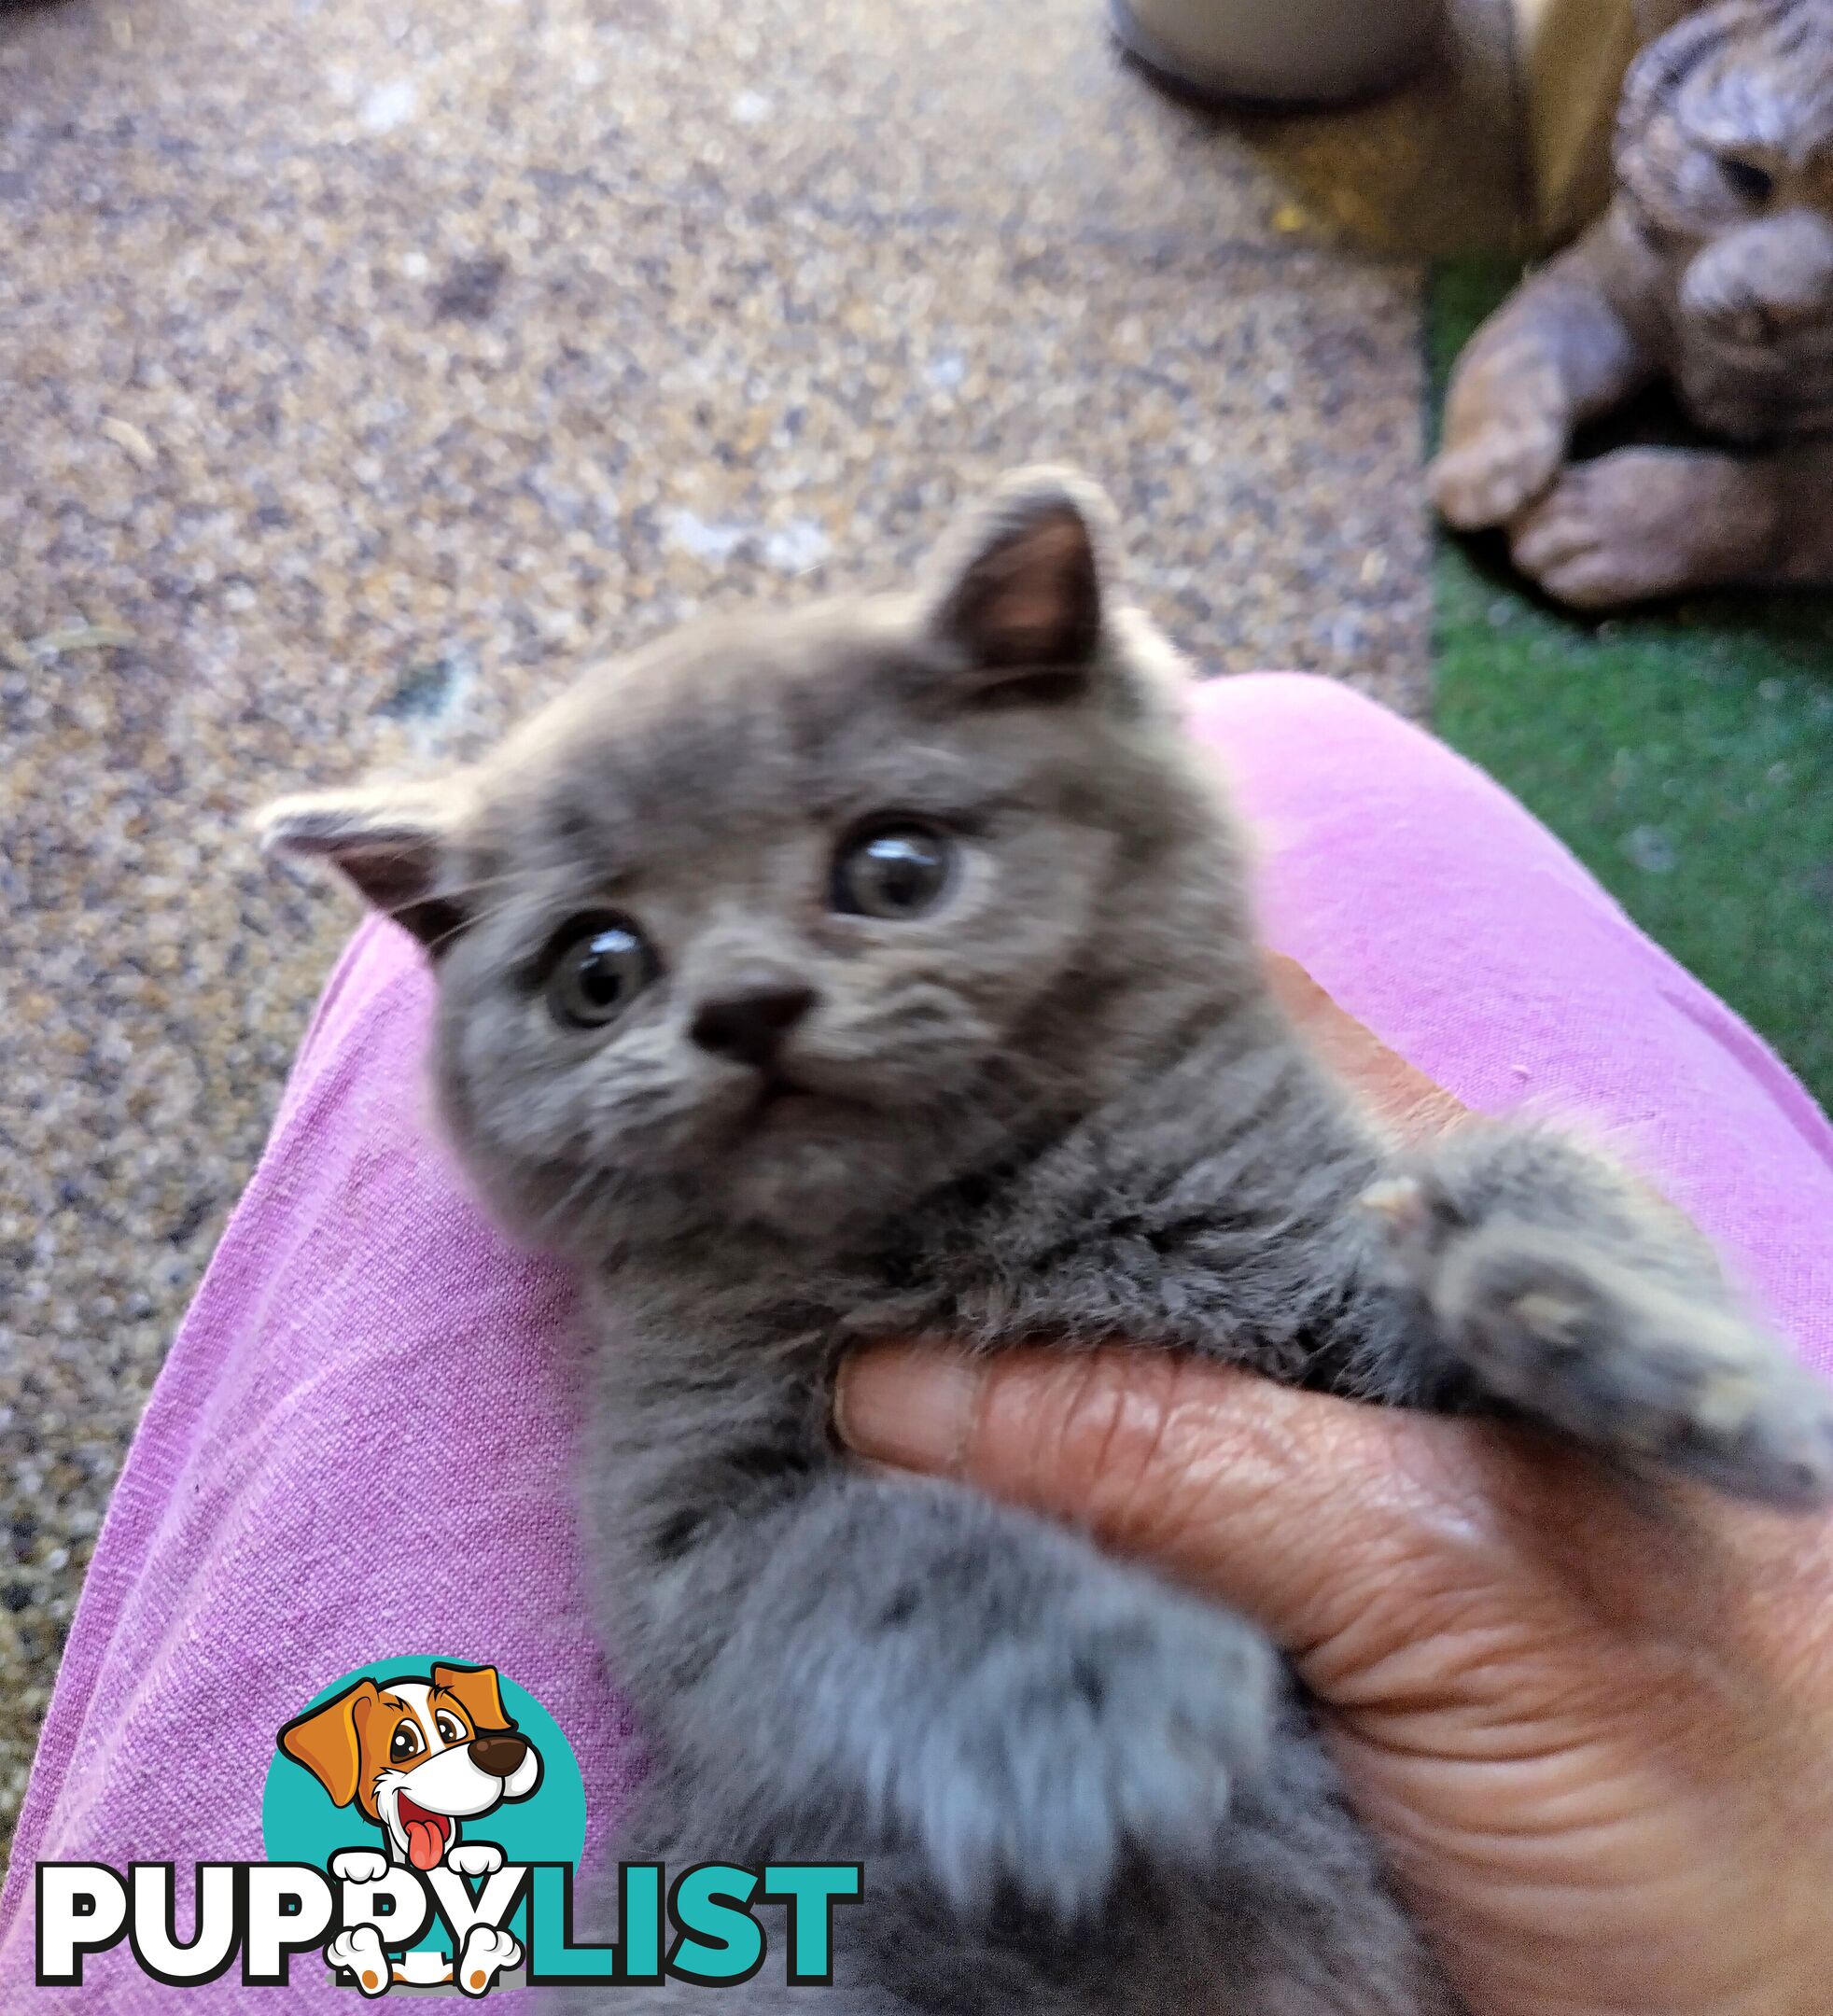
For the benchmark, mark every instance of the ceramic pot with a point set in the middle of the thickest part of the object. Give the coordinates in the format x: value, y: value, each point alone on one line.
x: 1283, y: 51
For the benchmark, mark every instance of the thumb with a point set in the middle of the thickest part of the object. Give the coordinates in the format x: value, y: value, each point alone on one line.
x: 1336, y: 1526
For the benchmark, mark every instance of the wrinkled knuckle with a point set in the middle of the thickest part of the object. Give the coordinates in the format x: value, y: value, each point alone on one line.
x: 1142, y: 1489
x: 1092, y: 1432
x: 1080, y: 1430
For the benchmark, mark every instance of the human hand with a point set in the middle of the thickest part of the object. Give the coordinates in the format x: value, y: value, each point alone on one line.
x: 1593, y: 1728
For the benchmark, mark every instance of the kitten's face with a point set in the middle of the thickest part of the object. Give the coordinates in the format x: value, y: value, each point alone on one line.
x: 1726, y: 156
x: 791, y: 920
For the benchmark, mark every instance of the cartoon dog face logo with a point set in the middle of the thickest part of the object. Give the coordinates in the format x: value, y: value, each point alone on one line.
x: 418, y: 1756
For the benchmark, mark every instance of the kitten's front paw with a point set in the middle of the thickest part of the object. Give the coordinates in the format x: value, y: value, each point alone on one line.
x: 1623, y: 1360
x: 1124, y: 1733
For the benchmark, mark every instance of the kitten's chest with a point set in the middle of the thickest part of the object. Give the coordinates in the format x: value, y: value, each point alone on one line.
x: 1208, y: 1213
x: 1230, y: 1252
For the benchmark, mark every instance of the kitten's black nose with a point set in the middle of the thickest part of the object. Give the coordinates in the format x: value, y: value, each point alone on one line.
x: 750, y: 1023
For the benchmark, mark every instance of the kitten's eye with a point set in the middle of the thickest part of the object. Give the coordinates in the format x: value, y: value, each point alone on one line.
x: 405, y: 1742
x: 600, y: 971
x: 893, y: 872
x: 1749, y: 183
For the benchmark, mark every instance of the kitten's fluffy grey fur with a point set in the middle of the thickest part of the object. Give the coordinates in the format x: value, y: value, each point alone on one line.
x: 1059, y: 1103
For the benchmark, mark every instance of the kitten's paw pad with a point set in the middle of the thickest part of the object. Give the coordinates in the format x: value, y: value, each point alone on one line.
x: 1635, y: 1365
x: 1399, y: 1201
x: 1128, y: 1735
x: 1485, y: 477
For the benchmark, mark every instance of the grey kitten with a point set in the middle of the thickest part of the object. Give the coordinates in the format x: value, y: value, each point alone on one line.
x: 889, y: 967
x: 1713, y: 269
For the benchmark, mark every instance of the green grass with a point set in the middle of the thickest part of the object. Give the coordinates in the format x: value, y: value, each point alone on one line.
x: 1685, y: 754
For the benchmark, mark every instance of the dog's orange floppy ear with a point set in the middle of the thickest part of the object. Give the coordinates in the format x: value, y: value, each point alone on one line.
x: 328, y: 1740
x: 477, y: 1693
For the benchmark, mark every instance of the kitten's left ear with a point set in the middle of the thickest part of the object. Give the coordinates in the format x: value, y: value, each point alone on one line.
x: 1018, y: 585
x: 392, y: 841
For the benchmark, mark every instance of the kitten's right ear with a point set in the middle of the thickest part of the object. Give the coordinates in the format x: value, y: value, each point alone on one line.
x: 1018, y: 587
x: 393, y: 842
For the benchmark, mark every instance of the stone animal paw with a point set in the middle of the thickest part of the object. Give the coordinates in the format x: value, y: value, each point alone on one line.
x: 486, y: 1953
x: 1494, y: 467
x: 1641, y: 523
x: 359, y: 1951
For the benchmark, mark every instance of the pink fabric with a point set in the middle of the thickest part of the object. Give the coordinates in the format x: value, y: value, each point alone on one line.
x: 358, y: 1445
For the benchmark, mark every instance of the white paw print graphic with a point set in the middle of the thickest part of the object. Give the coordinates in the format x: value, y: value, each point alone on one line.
x: 486, y: 1953
x: 359, y: 1865
x: 360, y: 1950
x: 474, y: 1858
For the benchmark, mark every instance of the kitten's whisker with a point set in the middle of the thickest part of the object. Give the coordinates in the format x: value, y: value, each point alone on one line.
x: 519, y: 876
x: 471, y: 923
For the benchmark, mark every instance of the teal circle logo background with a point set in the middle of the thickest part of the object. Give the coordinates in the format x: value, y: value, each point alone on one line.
x: 298, y: 1822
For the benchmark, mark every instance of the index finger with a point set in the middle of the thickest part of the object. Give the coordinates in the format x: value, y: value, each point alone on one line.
x: 1339, y: 1527
x: 1355, y: 1535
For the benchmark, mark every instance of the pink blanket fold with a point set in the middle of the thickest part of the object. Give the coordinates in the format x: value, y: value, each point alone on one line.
x: 357, y: 1448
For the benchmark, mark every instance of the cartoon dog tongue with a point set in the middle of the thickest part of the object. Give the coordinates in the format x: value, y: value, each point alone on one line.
x: 425, y: 1834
